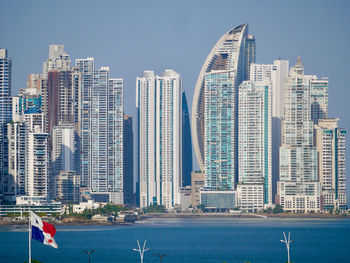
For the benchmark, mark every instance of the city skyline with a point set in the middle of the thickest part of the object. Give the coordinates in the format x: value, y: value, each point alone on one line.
x: 189, y: 36
x: 65, y: 61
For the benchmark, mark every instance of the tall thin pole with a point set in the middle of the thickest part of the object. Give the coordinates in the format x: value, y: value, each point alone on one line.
x: 288, y: 247
x: 287, y: 242
x: 141, y: 251
x: 30, y: 236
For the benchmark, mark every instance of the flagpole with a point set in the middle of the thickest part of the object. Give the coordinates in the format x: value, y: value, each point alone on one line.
x: 30, y: 236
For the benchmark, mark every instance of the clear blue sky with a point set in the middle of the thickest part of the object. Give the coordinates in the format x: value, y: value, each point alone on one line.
x: 132, y: 36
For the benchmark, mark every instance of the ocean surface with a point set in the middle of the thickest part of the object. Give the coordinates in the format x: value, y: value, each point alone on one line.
x: 230, y: 240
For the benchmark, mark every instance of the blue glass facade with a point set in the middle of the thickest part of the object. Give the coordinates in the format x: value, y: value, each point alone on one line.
x: 186, y: 144
x: 219, y: 158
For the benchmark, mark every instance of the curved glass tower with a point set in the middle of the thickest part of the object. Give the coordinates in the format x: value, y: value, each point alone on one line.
x: 234, y: 52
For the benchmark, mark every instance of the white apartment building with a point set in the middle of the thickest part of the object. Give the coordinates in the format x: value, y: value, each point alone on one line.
x: 158, y: 102
x: 298, y: 188
x: 330, y: 143
x: 255, y: 144
x: 277, y: 74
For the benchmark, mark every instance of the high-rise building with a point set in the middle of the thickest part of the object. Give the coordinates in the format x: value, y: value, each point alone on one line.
x: 34, y: 81
x: 186, y: 143
x: 37, y: 165
x: 146, y: 139
x: 330, y: 143
x: 277, y: 74
x: 197, y: 183
x: 37, y: 156
x: 58, y: 60
x: 234, y: 51
x: 115, y: 118
x: 159, y: 108
x: 5, y: 113
x: 67, y: 187
x: 86, y: 69
x: 319, y: 99
x: 17, y: 138
x: 298, y: 188
x: 60, y: 95
x: 27, y: 98
x: 255, y: 145
x: 63, y: 155
x: 219, y: 132
x: 128, y: 165
x: 107, y: 136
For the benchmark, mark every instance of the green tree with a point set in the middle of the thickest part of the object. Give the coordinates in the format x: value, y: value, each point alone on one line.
x: 155, y: 209
x: 278, y: 209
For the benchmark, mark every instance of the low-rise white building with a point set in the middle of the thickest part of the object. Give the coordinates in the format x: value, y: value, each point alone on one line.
x: 250, y: 197
x: 90, y: 204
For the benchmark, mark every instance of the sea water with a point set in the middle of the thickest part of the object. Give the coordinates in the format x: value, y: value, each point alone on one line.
x: 218, y: 240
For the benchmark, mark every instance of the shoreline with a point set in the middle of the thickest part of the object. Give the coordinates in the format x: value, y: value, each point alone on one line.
x: 242, y: 215
x: 79, y: 222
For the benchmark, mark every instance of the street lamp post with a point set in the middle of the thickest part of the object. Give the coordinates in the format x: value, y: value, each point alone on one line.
x: 160, y: 256
x: 89, y: 253
x: 287, y: 242
x: 141, y: 251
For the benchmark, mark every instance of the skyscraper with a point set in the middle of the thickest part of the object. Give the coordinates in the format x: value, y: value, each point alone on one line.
x: 330, y: 143
x: 107, y: 136
x: 255, y: 145
x: 17, y: 141
x: 128, y: 165
x: 58, y: 60
x: 37, y: 156
x: 319, y: 99
x: 63, y: 148
x: 277, y: 74
x: 298, y: 188
x: 86, y: 69
x: 234, y: 51
x: 64, y: 163
x: 158, y: 103
x: 219, y: 132
x: 5, y: 113
x: 186, y: 143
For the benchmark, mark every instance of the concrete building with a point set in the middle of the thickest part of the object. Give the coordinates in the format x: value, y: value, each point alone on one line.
x: 107, y: 136
x: 319, y: 99
x: 86, y: 70
x: 233, y: 52
x: 37, y: 156
x: 197, y: 183
x: 255, y: 145
x: 63, y: 157
x: 37, y: 165
x: 277, y: 74
x: 17, y: 138
x: 298, y: 187
x: 250, y: 197
x: 330, y: 144
x: 5, y: 116
x: 67, y: 186
x: 158, y: 103
x: 58, y: 60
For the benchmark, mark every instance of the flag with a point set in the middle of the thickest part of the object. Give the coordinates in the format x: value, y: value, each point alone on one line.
x: 42, y: 231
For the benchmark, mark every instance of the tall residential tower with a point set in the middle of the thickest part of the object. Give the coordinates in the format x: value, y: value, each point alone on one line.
x: 226, y: 66
x: 159, y: 108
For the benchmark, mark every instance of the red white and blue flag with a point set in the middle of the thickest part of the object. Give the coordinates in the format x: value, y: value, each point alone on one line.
x: 42, y: 231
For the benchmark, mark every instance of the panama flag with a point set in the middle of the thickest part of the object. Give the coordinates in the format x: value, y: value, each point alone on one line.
x: 42, y: 231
